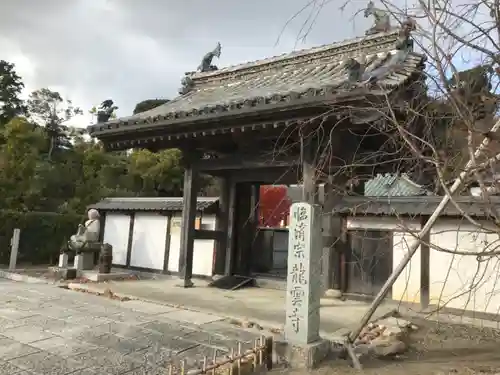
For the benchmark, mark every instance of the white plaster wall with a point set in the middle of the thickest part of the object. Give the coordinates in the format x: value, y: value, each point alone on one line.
x: 407, y: 286
x: 203, y: 249
x: 175, y: 242
x: 116, y: 233
x: 460, y: 281
x: 148, y: 241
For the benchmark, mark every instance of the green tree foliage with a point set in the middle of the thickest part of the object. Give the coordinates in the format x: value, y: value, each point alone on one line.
x: 48, y: 166
x: 50, y: 172
x: 11, y: 86
x: 42, y: 234
x: 156, y: 174
x: 19, y: 163
x: 48, y: 109
x: 148, y: 104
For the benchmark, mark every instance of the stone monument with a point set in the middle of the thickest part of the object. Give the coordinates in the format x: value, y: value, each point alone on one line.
x: 305, y: 348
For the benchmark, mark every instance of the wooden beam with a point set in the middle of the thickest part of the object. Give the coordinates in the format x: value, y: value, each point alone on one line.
x: 188, y: 224
x: 237, y: 162
x: 269, y: 176
x: 204, y: 234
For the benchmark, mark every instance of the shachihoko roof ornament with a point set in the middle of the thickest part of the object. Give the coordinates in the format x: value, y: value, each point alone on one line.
x: 105, y: 110
x: 186, y: 84
x: 382, y: 22
x: 206, y: 63
x: 356, y: 70
x: 205, y: 66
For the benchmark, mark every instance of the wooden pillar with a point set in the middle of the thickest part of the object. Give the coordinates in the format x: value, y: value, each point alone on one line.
x: 328, y: 236
x: 253, y: 227
x: 188, y: 223
x: 244, y: 227
x: 335, y: 239
x: 222, y: 226
x: 168, y: 235
x: 309, y: 188
x: 230, y: 237
x: 425, y: 268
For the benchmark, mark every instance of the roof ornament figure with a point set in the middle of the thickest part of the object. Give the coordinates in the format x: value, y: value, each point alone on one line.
x: 186, y: 84
x: 404, y: 45
x: 354, y: 71
x: 206, y: 63
x: 382, y: 22
x: 404, y: 42
x: 106, y: 110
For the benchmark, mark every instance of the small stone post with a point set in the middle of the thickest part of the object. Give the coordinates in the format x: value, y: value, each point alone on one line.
x: 79, y: 262
x: 63, y: 260
x: 14, y: 248
x: 305, y: 347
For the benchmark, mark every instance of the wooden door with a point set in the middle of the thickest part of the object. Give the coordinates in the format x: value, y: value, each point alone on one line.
x: 369, y: 261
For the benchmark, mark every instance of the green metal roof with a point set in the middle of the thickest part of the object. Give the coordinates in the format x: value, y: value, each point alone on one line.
x: 393, y: 185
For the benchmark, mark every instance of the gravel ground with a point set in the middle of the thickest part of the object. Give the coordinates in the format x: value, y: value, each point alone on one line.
x: 435, y: 349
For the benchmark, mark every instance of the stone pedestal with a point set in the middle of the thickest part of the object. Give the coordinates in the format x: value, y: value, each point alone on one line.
x: 100, y: 277
x: 63, y: 260
x: 305, y: 347
x: 333, y: 293
x: 84, y: 261
x: 307, y: 356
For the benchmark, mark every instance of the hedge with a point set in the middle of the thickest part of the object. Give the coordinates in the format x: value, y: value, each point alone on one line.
x: 42, y: 235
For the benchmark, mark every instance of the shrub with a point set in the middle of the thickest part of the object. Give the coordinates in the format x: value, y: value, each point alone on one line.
x: 42, y: 235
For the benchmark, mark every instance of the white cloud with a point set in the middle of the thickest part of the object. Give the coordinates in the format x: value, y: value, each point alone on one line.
x: 130, y: 50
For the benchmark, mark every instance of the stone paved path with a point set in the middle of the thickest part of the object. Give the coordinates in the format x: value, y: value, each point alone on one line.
x: 49, y: 330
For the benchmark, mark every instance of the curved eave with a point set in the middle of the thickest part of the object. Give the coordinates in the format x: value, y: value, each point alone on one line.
x: 251, y: 123
x: 313, y: 98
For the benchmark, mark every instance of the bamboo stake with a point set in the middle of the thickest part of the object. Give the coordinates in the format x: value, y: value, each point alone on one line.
x: 231, y: 359
x: 412, y: 250
x: 239, y: 358
x: 214, y: 361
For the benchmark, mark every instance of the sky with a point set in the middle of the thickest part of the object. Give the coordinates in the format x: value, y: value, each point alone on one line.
x: 132, y: 50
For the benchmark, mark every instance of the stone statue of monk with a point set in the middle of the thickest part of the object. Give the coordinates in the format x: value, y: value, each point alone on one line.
x: 87, y: 233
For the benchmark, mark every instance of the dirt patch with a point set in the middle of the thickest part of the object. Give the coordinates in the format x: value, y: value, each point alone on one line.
x: 32, y: 271
x: 434, y: 349
x: 107, y: 293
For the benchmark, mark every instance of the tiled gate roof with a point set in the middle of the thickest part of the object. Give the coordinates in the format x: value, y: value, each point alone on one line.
x: 317, y: 74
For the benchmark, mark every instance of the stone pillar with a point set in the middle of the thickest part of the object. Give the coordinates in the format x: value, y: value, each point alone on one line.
x: 305, y: 347
x: 63, y: 260
x: 14, y: 248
